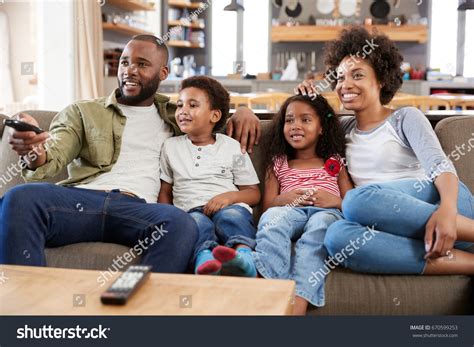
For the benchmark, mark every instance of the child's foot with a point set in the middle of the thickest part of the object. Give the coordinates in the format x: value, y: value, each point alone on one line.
x: 236, y: 262
x: 206, y: 264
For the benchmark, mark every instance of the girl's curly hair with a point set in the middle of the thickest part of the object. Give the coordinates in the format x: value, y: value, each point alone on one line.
x: 331, y: 142
x: 384, y: 57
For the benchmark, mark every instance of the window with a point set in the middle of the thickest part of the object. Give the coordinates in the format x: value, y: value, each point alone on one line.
x: 444, y: 32
x: 469, y: 45
x: 255, y: 37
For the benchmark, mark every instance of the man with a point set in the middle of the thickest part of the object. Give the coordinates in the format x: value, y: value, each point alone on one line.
x: 112, y: 146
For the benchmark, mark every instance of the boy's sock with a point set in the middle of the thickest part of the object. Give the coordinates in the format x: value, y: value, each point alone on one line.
x: 236, y: 262
x: 206, y: 264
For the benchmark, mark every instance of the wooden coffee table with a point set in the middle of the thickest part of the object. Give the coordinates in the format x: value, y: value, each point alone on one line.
x: 26, y: 290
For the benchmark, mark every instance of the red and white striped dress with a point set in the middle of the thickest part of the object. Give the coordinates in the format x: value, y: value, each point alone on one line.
x: 317, y: 178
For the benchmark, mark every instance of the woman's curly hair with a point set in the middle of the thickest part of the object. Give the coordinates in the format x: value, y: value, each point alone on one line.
x: 218, y: 96
x: 384, y: 58
x: 331, y: 142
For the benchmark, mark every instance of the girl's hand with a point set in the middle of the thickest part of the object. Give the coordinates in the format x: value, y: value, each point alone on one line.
x: 325, y: 199
x: 440, y: 233
x: 218, y: 202
x: 306, y: 87
x: 297, y: 197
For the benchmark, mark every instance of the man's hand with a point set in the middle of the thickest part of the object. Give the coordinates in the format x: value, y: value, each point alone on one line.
x: 218, y: 202
x: 28, y: 142
x: 440, y: 233
x: 244, y: 126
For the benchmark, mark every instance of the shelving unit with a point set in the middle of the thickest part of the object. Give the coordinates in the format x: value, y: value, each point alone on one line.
x: 124, y: 29
x: 132, y: 5
x: 184, y: 44
x: 315, y: 33
x: 185, y: 4
x: 196, y: 26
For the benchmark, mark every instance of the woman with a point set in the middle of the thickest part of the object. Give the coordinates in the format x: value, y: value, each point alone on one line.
x: 420, y: 228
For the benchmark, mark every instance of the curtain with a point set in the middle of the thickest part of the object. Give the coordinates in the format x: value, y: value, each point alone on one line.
x: 6, y: 86
x: 89, y: 64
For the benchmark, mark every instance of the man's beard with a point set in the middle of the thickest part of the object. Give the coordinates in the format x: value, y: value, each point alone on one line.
x: 146, y: 91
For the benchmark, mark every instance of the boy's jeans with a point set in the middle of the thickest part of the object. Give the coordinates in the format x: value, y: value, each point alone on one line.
x: 278, y: 227
x: 399, y: 210
x: 229, y: 226
x: 36, y: 215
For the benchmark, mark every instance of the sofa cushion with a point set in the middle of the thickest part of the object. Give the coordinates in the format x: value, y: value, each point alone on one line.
x: 351, y: 293
x: 87, y: 255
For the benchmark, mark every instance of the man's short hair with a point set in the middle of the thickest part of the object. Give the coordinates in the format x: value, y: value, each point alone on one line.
x: 160, y: 45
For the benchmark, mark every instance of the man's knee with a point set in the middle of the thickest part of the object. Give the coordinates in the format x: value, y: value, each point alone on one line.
x: 180, y: 222
x: 21, y: 196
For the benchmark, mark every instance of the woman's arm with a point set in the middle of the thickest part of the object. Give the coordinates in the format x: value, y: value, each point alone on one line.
x: 440, y: 231
x: 166, y: 193
x: 344, y: 181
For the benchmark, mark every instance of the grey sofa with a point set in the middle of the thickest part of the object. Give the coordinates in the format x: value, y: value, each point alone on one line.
x: 347, y: 292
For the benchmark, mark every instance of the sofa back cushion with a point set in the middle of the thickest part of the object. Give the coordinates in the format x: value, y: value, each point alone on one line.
x: 456, y: 135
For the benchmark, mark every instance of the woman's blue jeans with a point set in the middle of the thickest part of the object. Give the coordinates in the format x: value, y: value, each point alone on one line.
x: 277, y: 229
x: 398, y: 212
x: 230, y: 226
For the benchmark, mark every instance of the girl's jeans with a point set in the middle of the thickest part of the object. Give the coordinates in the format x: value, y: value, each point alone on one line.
x: 277, y: 229
x: 397, y: 212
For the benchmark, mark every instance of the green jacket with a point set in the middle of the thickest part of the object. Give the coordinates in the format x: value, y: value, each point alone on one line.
x: 87, y: 135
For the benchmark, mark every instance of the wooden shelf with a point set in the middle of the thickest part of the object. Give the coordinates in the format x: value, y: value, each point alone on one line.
x: 185, y: 4
x: 175, y: 23
x: 132, y: 5
x: 319, y: 33
x: 184, y: 44
x: 124, y: 29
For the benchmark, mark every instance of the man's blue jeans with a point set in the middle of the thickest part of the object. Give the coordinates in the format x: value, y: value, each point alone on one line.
x: 398, y: 212
x: 39, y: 215
x: 229, y: 226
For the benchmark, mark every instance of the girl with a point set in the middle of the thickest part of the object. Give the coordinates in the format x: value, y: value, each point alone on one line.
x: 305, y: 180
x: 421, y: 229
x: 205, y: 174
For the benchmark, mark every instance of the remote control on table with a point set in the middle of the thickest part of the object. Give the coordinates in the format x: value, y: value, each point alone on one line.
x: 125, y: 285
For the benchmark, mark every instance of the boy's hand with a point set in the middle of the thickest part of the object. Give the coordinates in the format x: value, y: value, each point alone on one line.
x: 218, y: 202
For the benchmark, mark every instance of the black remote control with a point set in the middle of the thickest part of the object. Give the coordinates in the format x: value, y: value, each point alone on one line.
x: 125, y: 285
x: 22, y: 126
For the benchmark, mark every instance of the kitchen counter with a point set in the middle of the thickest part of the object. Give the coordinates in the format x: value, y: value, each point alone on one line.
x: 416, y: 87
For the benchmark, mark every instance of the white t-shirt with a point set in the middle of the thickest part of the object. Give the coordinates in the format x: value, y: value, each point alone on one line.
x: 199, y: 173
x: 137, y: 169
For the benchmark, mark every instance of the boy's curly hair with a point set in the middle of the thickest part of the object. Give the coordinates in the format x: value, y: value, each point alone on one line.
x: 385, y: 58
x: 331, y: 142
x: 218, y: 96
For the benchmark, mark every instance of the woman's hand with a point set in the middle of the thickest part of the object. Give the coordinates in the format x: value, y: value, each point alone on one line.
x: 325, y: 199
x: 244, y: 126
x: 218, y: 202
x: 297, y: 198
x: 440, y: 233
x: 306, y: 87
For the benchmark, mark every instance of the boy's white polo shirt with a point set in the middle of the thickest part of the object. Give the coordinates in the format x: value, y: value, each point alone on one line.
x: 199, y: 173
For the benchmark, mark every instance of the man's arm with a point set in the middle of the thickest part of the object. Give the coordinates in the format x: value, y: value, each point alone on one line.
x: 244, y: 126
